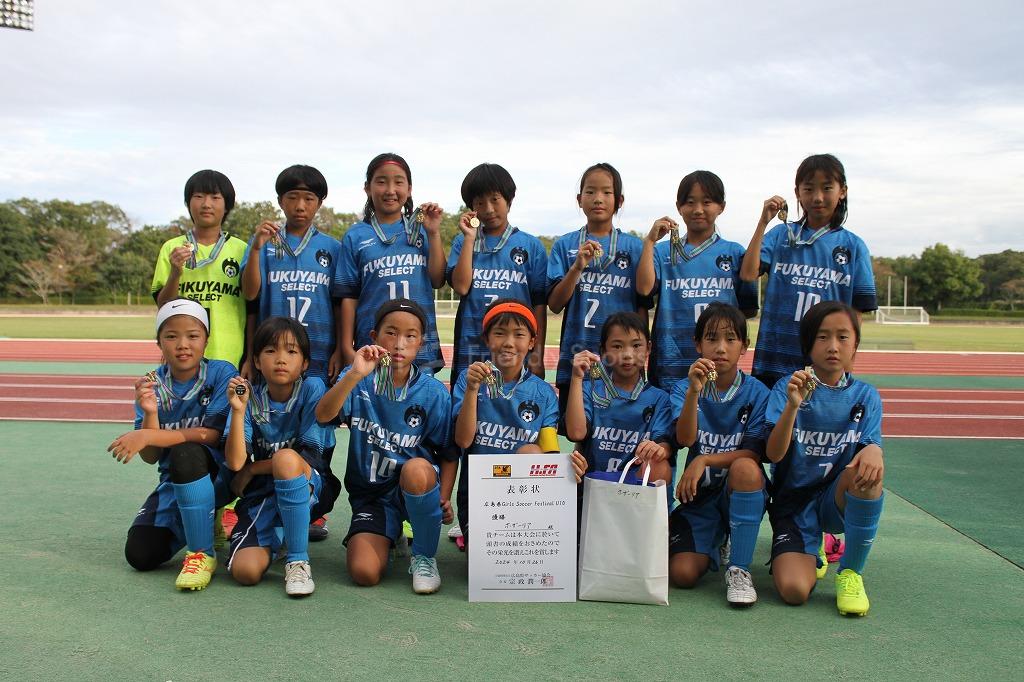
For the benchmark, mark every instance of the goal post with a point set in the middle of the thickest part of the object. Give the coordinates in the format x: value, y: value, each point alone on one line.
x: 898, y: 314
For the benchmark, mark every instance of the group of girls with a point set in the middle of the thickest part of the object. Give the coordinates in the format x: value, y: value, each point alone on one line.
x: 346, y: 333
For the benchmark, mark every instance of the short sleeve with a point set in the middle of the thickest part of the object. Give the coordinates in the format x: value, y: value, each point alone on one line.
x: 458, y: 394
x: 162, y: 269
x: 871, y: 422
x: 550, y: 408
x: 746, y: 292
x: 216, y: 414
x: 756, y: 433
x: 349, y: 281
x: 661, y: 421
x: 453, y: 257
x: 865, y: 298
x: 776, y: 403
x: 539, y: 274
x: 439, y: 427
x: 557, y: 266
x: 768, y: 246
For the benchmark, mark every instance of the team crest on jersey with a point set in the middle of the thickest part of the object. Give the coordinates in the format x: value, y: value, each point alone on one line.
x: 323, y: 258
x: 648, y: 413
x: 744, y: 414
x: 857, y: 413
x: 841, y: 255
x: 205, y: 395
x: 724, y: 262
x: 528, y: 411
x: 519, y: 256
x: 622, y: 260
x: 230, y: 267
x: 415, y: 416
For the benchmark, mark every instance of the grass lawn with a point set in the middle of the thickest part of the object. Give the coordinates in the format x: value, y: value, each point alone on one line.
x: 137, y: 323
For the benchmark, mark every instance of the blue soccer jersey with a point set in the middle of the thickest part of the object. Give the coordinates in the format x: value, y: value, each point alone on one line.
x: 384, y: 434
x: 604, y: 288
x: 516, y: 270
x: 835, y: 267
x: 613, y: 432
x: 192, y: 404
x: 291, y: 424
x: 374, y: 273
x: 503, y: 424
x: 303, y: 287
x: 829, y: 428
x: 726, y: 425
x: 684, y: 290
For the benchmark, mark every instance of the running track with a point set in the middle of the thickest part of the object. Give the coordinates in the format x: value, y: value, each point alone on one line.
x: 908, y: 412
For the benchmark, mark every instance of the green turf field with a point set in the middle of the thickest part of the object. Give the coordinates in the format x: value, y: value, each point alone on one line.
x: 936, y: 337
x: 943, y: 606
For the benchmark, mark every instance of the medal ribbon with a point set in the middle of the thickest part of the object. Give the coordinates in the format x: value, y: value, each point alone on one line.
x: 411, y: 226
x: 166, y: 395
x: 192, y: 263
x: 259, y: 402
x: 680, y: 252
x: 384, y: 382
x: 793, y: 231
x: 611, y: 392
x: 710, y: 390
x: 478, y: 243
x: 843, y: 380
x: 496, y: 385
x: 283, y: 247
x: 609, y: 256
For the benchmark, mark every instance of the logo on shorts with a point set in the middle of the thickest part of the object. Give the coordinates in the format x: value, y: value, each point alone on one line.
x: 323, y: 258
x: 205, y: 396
x: 622, y: 260
x: 724, y: 262
x: 841, y: 255
x: 744, y: 414
x: 363, y: 516
x: 857, y: 413
x: 528, y: 411
x: 519, y: 256
x: 648, y: 413
x: 415, y: 416
x: 544, y: 470
x: 501, y: 470
x: 230, y: 267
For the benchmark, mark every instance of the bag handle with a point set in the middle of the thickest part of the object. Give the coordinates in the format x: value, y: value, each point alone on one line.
x: 625, y: 470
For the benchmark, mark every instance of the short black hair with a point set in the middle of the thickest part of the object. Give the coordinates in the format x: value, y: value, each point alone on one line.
x: 815, y: 315
x: 616, y: 181
x: 507, y: 317
x: 717, y: 312
x: 375, y: 163
x: 210, y: 182
x: 301, y: 177
x: 401, y: 305
x: 625, y: 320
x: 487, y: 178
x: 272, y: 329
x: 708, y: 181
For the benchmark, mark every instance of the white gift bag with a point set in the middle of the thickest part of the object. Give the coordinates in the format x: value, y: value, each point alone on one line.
x: 624, y: 541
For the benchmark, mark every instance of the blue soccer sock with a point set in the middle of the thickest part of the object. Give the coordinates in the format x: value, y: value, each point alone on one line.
x: 745, y: 512
x: 293, y: 505
x: 861, y: 525
x: 195, y: 504
x: 425, y: 517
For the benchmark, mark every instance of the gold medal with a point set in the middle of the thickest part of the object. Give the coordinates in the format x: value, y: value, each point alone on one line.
x: 419, y: 216
x: 491, y: 380
x: 711, y: 375
x: 811, y: 383
x: 385, y: 360
x: 474, y: 222
x: 784, y: 212
x: 595, y: 371
x: 150, y: 376
x: 598, y: 252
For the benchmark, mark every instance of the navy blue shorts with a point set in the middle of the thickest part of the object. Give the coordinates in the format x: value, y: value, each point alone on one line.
x: 259, y: 523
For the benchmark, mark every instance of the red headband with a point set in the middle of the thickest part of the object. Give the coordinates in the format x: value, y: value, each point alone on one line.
x: 515, y: 308
x: 392, y: 161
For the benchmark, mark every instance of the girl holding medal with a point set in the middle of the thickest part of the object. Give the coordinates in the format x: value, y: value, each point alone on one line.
x: 180, y: 413
x: 204, y: 265
x: 399, y: 449
x: 492, y: 259
x: 500, y: 406
x: 689, y: 272
x: 592, y: 272
x: 281, y: 457
x: 395, y: 252
x: 811, y: 259
x: 292, y: 270
x: 722, y: 490
x: 614, y: 416
x: 825, y: 445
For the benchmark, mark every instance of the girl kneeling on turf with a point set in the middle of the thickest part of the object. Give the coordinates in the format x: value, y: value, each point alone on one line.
x: 721, y: 491
x: 826, y: 444
x: 618, y: 415
x: 399, y: 420
x: 280, y: 453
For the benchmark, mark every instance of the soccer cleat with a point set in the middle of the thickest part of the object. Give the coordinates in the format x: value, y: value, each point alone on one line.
x: 318, y: 530
x: 229, y: 519
x: 196, y: 571
x: 823, y: 569
x: 425, y: 577
x: 220, y: 538
x: 739, y: 587
x: 455, y: 532
x: 725, y: 551
x: 298, y: 579
x: 851, y: 599
x: 834, y: 548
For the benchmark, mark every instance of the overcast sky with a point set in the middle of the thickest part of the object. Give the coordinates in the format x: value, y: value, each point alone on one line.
x: 121, y: 101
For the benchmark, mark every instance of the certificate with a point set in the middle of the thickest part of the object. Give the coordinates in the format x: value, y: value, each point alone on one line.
x: 522, y: 528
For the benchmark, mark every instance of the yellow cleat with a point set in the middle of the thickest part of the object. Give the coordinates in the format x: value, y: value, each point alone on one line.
x: 851, y: 599
x: 220, y: 538
x: 196, y: 571
x: 823, y: 569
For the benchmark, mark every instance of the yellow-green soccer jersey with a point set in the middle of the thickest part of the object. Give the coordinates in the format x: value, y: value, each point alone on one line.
x: 218, y: 288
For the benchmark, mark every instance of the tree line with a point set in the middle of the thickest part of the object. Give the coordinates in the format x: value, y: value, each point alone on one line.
x: 92, y: 252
